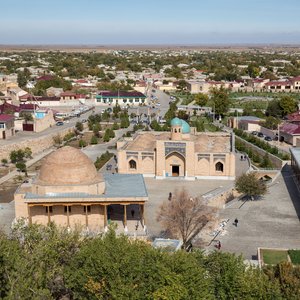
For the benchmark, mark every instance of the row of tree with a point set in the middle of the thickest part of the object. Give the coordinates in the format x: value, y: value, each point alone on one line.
x: 39, y: 262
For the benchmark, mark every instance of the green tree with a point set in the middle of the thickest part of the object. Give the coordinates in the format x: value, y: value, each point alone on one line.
x: 21, y: 166
x: 4, y: 162
x: 201, y: 99
x: 274, y: 109
x: 271, y: 123
x: 82, y: 143
x: 250, y: 185
x: 288, y: 105
x: 96, y: 129
x: 17, y: 156
x: 94, y: 140
x: 79, y: 126
x: 221, y: 100
x: 266, y: 162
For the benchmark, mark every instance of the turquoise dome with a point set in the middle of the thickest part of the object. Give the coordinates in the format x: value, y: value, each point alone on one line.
x: 184, y: 125
x: 176, y: 122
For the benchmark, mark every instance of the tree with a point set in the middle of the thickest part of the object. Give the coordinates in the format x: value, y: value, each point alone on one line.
x: 27, y: 116
x: 4, y: 162
x: 250, y: 185
x: 184, y: 216
x: 82, y: 143
x: 94, y: 140
x: 79, y: 126
x: 57, y: 140
x: 21, y: 166
x: 17, y: 156
x: 266, y: 162
x: 271, y: 123
x: 201, y: 99
x: 96, y: 129
x: 221, y: 100
x: 288, y: 105
x: 27, y: 152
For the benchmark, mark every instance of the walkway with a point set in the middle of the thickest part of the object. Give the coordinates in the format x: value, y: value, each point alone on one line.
x: 272, y: 221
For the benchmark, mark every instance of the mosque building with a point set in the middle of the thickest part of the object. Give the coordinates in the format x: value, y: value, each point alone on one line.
x: 70, y: 192
x: 183, y: 153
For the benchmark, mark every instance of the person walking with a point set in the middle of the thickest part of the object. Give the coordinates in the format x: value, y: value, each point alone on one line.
x: 219, y: 245
x: 170, y: 197
x: 236, y: 221
x: 132, y: 213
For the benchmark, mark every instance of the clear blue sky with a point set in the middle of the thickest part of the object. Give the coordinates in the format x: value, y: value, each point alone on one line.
x: 149, y: 22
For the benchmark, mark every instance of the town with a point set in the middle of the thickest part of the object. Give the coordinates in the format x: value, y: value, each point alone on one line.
x: 180, y: 148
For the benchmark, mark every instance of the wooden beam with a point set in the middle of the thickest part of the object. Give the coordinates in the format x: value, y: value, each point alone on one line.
x: 125, y: 215
x: 48, y: 209
x: 29, y: 215
x: 68, y: 216
x: 86, y: 217
x: 105, y: 215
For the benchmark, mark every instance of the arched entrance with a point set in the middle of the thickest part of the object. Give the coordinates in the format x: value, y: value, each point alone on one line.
x: 175, y: 165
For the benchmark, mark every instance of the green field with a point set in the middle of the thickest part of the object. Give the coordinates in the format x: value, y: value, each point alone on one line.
x: 273, y: 257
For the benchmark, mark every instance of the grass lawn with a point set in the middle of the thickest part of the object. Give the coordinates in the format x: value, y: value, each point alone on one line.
x: 294, y: 256
x: 273, y: 257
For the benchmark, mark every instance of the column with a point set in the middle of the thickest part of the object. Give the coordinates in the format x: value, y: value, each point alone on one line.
x: 125, y: 218
x: 105, y: 217
x: 86, y: 217
x: 48, y: 210
x: 68, y: 216
x: 29, y: 215
x: 142, y: 206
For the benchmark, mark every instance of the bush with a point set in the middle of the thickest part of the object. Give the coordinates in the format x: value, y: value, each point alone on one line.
x: 69, y: 136
x: 94, y: 140
x: 115, y: 126
x: 82, y: 143
x: 103, y: 159
x: 79, y: 126
x: 294, y: 256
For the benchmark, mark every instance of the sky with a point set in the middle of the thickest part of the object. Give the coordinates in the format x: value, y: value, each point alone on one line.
x: 185, y: 22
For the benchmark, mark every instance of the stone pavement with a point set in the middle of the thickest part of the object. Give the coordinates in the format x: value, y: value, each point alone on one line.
x: 272, y: 221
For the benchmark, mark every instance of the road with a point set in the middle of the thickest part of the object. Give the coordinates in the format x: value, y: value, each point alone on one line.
x: 25, y: 135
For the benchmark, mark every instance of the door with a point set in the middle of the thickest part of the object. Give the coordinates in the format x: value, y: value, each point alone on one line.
x: 175, y: 171
x: 3, y: 135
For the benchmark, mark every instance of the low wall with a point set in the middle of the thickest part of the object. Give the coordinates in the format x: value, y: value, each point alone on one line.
x: 36, y: 145
x: 276, y: 161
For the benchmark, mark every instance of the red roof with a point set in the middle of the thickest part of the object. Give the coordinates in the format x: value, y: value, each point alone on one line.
x: 81, y: 81
x: 276, y: 83
x: 5, y: 107
x: 121, y: 94
x: 294, y: 116
x: 6, y: 118
x: 45, y: 77
x: 290, y: 128
x: 67, y: 94
x: 29, y: 106
x: 297, y: 78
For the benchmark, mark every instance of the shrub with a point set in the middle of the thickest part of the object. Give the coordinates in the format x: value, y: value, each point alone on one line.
x: 82, y: 143
x: 94, y: 140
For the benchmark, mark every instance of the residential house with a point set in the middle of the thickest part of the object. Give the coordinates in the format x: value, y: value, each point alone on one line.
x: 122, y: 98
x: 7, y: 128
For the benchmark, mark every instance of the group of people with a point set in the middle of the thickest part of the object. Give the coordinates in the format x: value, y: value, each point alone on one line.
x: 243, y: 157
x: 235, y: 223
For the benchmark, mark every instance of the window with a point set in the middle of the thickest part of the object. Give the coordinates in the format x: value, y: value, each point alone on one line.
x: 2, y: 125
x: 132, y: 164
x: 67, y: 208
x: 137, y: 100
x: 175, y: 130
x: 88, y: 209
x: 50, y: 209
x: 219, y: 167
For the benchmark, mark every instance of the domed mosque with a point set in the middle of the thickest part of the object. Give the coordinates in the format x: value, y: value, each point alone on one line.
x: 183, y: 152
x: 70, y: 192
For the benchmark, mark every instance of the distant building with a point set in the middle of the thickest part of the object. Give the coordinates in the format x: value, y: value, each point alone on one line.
x: 123, y: 98
x: 180, y: 153
x: 248, y: 123
x: 295, y: 162
x: 290, y: 133
x: 7, y: 127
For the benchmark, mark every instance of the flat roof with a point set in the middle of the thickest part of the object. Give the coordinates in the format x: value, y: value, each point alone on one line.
x: 296, y: 154
x: 117, y: 186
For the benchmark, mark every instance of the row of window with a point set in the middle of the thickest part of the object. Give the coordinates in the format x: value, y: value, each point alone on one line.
x: 219, y: 167
x: 68, y: 208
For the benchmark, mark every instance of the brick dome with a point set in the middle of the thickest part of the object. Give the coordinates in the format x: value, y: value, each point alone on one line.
x: 68, y: 166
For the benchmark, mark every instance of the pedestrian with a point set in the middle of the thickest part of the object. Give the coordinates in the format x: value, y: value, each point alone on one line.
x: 137, y: 226
x: 219, y: 245
x: 245, y: 157
x: 241, y: 157
x: 170, y: 197
x: 132, y: 213
x: 236, y: 221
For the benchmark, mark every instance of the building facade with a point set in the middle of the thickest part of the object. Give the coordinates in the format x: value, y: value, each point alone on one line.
x: 71, y: 193
x: 122, y: 98
x: 180, y: 153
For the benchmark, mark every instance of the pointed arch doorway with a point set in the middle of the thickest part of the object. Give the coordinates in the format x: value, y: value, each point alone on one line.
x: 175, y: 165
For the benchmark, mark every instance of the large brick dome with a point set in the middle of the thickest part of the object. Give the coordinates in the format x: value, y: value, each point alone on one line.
x: 68, y: 166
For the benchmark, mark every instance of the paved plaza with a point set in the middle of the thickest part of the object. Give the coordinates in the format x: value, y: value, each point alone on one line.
x: 272, y: 221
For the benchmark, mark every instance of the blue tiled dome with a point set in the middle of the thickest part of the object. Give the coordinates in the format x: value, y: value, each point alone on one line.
x: 184, y: 125
x: 176, y: 122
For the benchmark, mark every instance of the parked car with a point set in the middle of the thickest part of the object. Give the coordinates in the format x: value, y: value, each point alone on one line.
x: 254, y: 132
x: 259, y: 134
x: 268, y: 138
x: 59, y: 123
